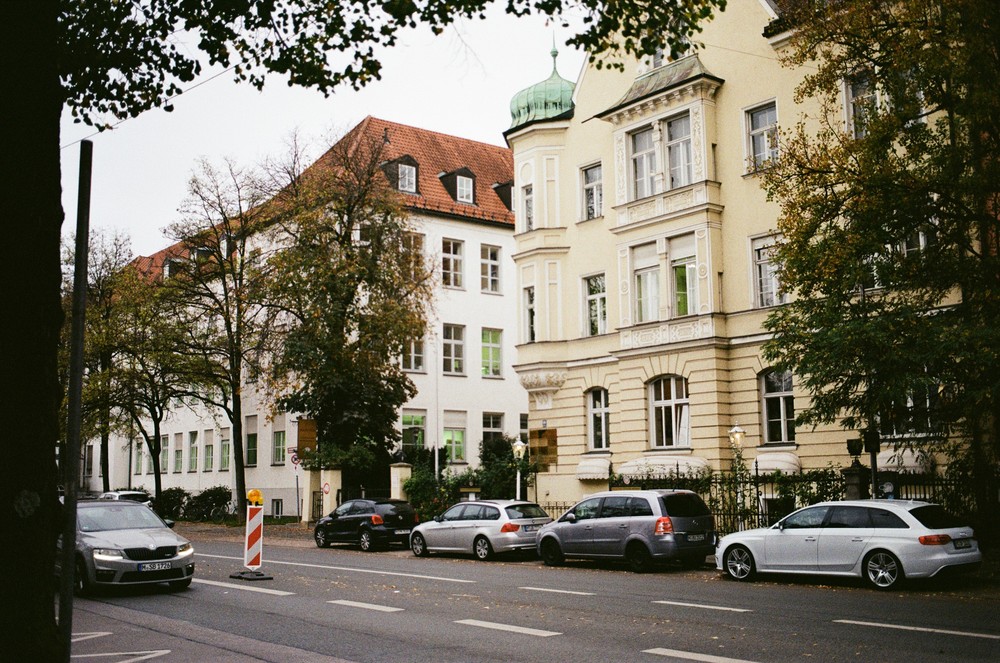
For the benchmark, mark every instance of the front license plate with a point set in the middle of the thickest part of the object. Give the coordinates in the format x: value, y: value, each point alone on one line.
x: 696, y: 537
x: 155, y: 566
x: 402, y: 531
x: 963, y: 543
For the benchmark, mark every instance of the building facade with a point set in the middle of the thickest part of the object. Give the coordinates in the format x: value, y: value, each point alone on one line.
x: 643, y: 263
x: 458, y: 194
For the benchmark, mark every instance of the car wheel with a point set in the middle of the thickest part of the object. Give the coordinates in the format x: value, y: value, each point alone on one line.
x: 322, y: 541
x: 365, y: 540
x: 638, y: 557
x: 81, y: 581
x: 552, y: 554
x: 482, y: 549
x: 418, y: 545
x: 882, y: 569
x: 738, y: 563
x: 178, y: 585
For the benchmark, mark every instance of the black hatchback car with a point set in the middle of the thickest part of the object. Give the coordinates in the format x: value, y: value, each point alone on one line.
x: 371, y: 524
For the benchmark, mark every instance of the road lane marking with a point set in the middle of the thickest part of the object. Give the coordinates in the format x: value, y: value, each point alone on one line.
x: 348, y: 568
x: 556, y: 591
x: 966, y: 634
x: 142, y: 655
x: 706, y: 607
x: 366, y: 606
x: 245, y: 588
x: 88, y: 635
x: 692, y: 656
x: 508, y: 627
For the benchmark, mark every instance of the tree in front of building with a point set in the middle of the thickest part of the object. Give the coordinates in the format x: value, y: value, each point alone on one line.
x: 889, y: 225
x: 215, y: 280
x: 351, y: 290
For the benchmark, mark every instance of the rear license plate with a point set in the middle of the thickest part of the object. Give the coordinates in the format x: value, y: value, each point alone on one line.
x: 402, y: 531
x: 963, y: 543
x: 155, y: 566
x: 696, y: 537
x: 530, y: 528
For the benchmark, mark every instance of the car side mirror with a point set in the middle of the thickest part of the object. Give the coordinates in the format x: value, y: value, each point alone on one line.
x: 439, y: 518
x: 169, y: 523
x: 569, y: 518
x: 781, y: 525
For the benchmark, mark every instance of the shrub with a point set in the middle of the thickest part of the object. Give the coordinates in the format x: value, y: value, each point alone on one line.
x: 200, y: 506
x: 170, y: 503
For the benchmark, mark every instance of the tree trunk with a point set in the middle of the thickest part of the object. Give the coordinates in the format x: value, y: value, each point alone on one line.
x: 30, y: 274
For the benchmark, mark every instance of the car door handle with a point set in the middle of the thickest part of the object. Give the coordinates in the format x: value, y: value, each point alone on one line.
x: 623, y: 526
x: 810, y: 538
x: 857, y: 539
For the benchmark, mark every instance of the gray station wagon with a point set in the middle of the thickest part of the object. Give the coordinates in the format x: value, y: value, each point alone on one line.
x: 640, y: 526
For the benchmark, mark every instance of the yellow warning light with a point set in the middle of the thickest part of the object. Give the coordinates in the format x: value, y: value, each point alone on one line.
x: 255, y: 497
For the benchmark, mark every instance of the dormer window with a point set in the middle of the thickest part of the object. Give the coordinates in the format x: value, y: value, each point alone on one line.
x: 407, y: 178
x: 464, y: 189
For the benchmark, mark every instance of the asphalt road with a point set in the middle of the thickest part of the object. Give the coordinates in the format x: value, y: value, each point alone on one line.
x: 391, y: 606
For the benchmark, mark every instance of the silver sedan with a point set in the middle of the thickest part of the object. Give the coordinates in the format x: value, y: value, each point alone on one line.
x: 120, y: 542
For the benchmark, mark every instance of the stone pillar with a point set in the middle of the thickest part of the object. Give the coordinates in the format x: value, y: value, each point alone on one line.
x: 857, y: 479
x: 398, y: 474
x: 330, y: 483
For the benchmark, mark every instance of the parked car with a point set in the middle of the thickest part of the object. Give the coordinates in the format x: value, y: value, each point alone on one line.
x: 640, y: 526
x: 140, y: 496
x: 123, y: 542
x: 882, y: 541
x: 371, y: 524
x: 482, y: 527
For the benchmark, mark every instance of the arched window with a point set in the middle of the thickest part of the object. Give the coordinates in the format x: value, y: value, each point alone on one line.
x: 669, y: 414
x: 778, y: 407
x: 597, y: 418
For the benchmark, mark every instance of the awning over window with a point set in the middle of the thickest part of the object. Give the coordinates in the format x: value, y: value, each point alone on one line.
x: 772, y: 461
x: 662, y: 465
x: 904, y: 460
x: 593, y: 468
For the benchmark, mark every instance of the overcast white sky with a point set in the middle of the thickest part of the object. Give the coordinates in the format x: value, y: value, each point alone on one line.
x: 458, y: 83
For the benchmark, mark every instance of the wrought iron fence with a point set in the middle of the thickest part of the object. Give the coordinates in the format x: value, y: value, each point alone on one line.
x: 744, y: 499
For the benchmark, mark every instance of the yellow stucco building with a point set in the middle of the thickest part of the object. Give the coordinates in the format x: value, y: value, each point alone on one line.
x: 644, y: 267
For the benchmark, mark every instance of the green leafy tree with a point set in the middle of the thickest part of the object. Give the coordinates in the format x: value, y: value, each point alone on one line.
x: 109, y: 255
x: 890, y: 228
x: 497, y: 472
x: 149, y: 376
x: 351, y: 292
x: 105, y: 60
x: 215, y: 281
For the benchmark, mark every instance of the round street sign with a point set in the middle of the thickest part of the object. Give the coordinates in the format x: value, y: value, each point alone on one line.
x: 326, y: 488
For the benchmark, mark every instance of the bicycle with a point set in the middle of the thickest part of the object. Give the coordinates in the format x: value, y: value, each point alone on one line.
x: 224, y: 512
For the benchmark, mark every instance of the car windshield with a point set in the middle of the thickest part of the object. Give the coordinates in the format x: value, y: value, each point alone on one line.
x: 684, y: 505
x: 933, y: 516
x: 516, y: 511
x: 111, y: 517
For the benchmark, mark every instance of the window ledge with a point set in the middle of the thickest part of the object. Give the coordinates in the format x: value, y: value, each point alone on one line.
x: 779, y: 446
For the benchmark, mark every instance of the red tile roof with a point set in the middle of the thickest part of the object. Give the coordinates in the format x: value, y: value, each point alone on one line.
x: 437, y: 153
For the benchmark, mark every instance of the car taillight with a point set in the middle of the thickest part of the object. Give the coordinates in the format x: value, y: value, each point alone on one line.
x: 509, y: 527
x: 935, y: 539
x: 663, y: 526
x: 377, y: 520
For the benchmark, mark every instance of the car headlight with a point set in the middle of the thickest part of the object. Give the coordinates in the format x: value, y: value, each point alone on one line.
x: 108, y: 554
x: 185, y: 549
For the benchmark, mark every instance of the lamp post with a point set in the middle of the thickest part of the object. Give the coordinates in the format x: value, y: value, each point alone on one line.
x: 736, y: 435
x: 519, y: 449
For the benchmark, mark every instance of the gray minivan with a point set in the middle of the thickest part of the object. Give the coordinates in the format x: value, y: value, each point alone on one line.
x: 640, y: 526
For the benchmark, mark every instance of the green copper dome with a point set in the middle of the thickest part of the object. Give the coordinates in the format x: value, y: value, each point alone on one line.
x: 548, y: 100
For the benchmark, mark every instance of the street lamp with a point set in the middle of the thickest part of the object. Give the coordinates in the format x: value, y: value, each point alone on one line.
x: 736, y: 435
x: 519, y: 449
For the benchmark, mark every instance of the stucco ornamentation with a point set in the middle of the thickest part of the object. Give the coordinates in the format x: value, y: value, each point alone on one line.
x: 542, y: 385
